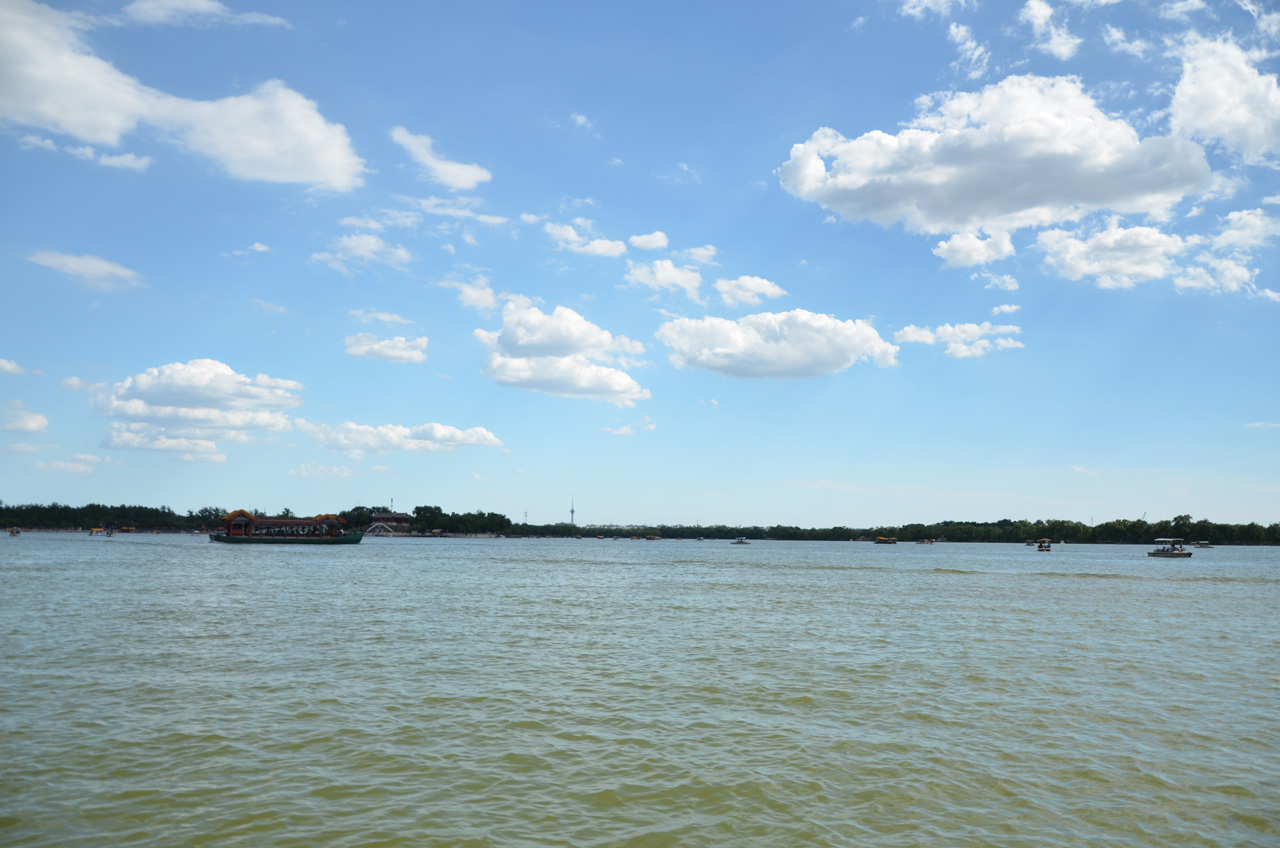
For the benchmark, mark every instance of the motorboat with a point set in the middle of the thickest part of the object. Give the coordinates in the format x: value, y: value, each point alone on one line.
x: 1170, y: 548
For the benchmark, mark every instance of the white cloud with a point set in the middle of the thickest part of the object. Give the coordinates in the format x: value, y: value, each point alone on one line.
x: 528, y: 332
x: 19, y: 420
x: 1120, y: 43
x: 1080, y: 469
x: 75, y: 384
x: 203, y: 399
x: 457, y: 207
x: 142, y: 436
x: 572, y: 376
x: 367, y: 316
x: 256, y: 247
x: 655, y: 240
x: 1267, y: 22
x: 267, y: 306
x: 1219, y: 274
x: 963, y: 341
x: 193, y: 12
x: 1222, y: 97
x: 1005, y: 282
x: 8, y: 366
x: 530, y: 218
x: 50, y: 80
x: 663, y: 274
x: 272, y: 134
x: 476, y: 294
x: 90, y: 271
x: 918, y: 335
x: 1245, y: 230
x: 941, y: 8
x: 1181, y: 10
x: 397, y: 349
x: 1051, y: 38
x: 568, y: 238
x: 964, y: 249
x: 353, y: 223
x: 454, y: 175
x: 1028, y: 151
x: 1004, y: 309
x: 785, y: 344
x: 973, y: 56
x: 359, y: 438
x: 128, y: 161
x: 363, y: 248
x: 584, y: 123
x: 747, y: 290
x: 28, y: 142
x: 624, y: 430
x: 554, y: 354
x: 705, y: 255
x: 1116, y: 257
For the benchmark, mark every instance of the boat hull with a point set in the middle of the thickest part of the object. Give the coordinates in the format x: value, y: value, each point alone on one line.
x: 1169, y: 554
x: 347, y: 539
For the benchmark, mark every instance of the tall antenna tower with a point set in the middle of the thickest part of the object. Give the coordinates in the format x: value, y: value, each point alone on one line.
x: 571, y: 510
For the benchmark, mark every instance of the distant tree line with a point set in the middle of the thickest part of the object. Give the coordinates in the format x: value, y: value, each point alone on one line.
x: 426, y: 520
x: 432, y: 519
x: 1119, y: 532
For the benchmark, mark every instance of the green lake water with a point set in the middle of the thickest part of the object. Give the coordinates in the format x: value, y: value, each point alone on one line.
x: 166, y: 691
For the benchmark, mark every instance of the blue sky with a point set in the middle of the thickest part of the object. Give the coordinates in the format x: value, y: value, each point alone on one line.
x: 834, y: 264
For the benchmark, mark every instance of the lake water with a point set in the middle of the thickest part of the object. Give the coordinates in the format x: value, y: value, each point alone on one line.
x: 162, y: 690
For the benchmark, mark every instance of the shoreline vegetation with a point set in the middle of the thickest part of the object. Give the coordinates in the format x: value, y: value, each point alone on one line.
x: 429, y: 521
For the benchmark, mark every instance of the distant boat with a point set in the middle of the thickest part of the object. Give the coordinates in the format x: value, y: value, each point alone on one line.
x: 1044, y: 545
x: 98, y: 531
x: 886, y: 540
x: 925, y: 542
x: 14, y: 531
x: 244, y: 528
x: 1170, y: 548
x: 1203, y: 545
x: 740, y: 541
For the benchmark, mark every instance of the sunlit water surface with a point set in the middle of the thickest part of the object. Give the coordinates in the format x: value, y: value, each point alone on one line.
x: 161, y: 691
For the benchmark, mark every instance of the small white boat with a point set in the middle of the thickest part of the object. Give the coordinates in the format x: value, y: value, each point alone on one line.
x: 740, y: 541
x: 1170, y: 548
x: 1203, y: 545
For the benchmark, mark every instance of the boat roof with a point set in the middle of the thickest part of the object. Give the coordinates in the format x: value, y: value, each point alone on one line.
x: 1168, y: 540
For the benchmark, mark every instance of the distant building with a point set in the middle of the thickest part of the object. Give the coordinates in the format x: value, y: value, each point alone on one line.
x: 389, y: 524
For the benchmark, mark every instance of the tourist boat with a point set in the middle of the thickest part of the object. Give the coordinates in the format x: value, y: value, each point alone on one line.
x: 886, y: 540
x: 98, y: 531
x: 1044, y: 545
x: 924, y: 541
x: 1203, y: 545
x: 244, y: 528
x: 1171, y: 548
x: 14, y: 531
x: 741, y: 540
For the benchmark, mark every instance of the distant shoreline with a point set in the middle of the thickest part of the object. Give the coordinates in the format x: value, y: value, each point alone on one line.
x: 428, y: 521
